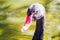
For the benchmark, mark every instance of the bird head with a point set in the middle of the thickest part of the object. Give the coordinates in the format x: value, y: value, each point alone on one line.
x: 37, y: 10
x: 34, y: 12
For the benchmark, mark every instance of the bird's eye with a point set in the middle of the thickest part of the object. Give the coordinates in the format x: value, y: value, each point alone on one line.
x: 36, y: 11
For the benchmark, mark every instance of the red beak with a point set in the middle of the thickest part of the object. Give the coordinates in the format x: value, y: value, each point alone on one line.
x: 28, y: 19
x: 28, y: 22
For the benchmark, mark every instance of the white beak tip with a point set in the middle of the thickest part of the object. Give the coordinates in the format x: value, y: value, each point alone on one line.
x: 22, y: 30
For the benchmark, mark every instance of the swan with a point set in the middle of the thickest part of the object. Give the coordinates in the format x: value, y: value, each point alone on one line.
x: 36, y: 12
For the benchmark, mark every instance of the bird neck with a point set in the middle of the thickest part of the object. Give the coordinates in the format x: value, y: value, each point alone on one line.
x: 41, y: 22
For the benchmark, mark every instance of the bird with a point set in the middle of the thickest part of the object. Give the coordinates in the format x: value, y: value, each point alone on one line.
x: 36, y: 12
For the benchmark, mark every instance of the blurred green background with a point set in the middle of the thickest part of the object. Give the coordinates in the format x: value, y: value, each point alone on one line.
x: 12, y: 17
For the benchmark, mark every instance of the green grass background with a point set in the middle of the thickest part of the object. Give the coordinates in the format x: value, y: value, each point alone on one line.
x: 12, y: 18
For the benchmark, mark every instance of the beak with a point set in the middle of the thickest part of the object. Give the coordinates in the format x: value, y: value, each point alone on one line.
x: 28, y: 22
x: 29, y: 19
